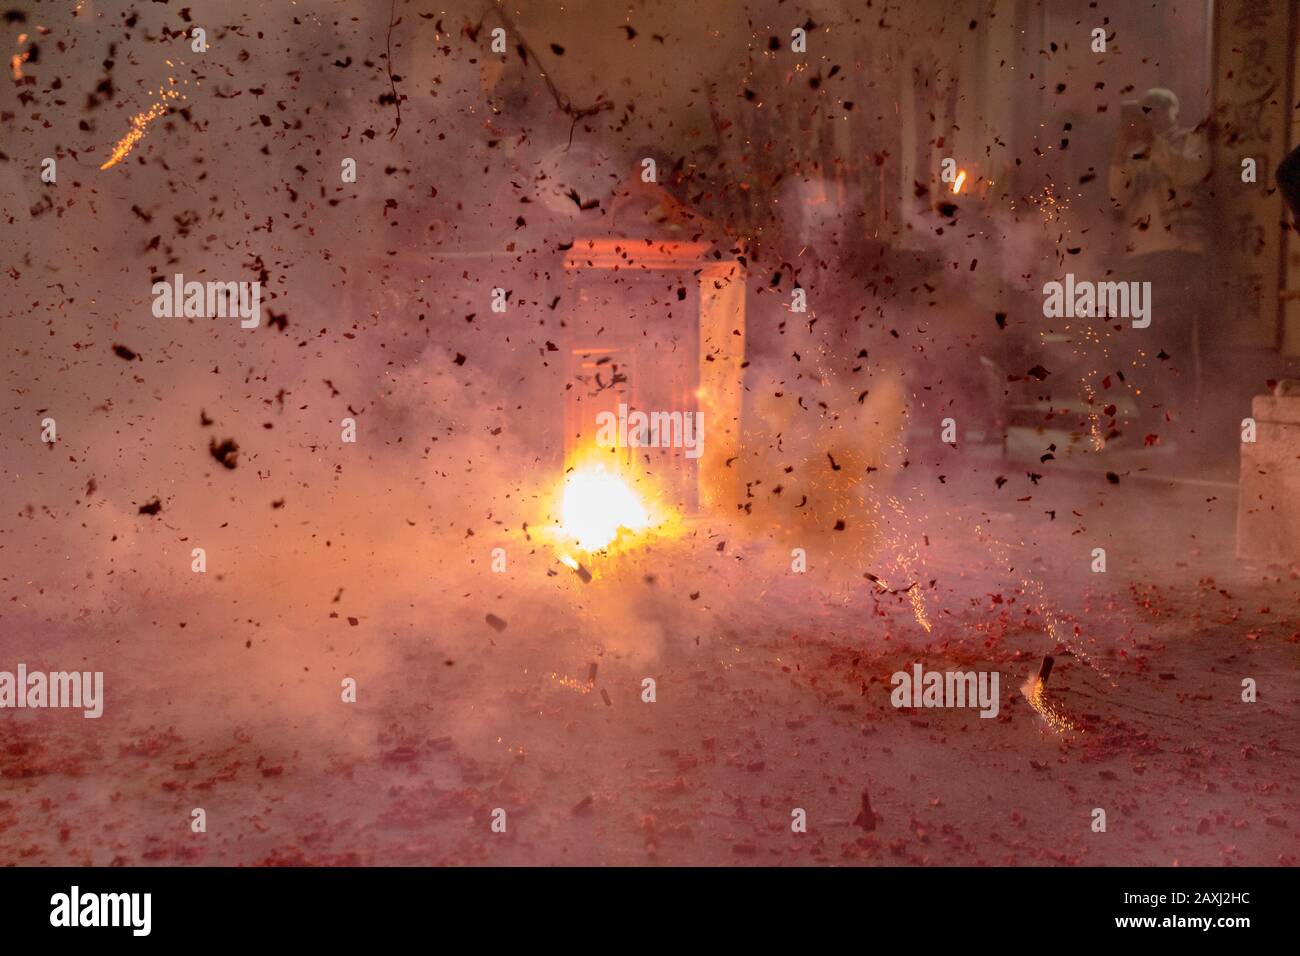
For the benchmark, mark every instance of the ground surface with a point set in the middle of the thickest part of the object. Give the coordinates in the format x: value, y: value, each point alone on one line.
x: 771, y: 694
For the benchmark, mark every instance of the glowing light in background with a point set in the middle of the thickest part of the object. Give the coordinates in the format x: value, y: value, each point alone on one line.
x: 18, y: 59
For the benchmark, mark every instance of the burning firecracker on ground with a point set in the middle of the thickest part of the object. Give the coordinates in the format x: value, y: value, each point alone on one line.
x: 651, y: 435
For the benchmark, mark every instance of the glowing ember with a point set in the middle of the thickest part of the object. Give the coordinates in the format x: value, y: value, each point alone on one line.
x: 16, y: 62
x: 959, y: 182
x: 597, y: 504
x: 907, y: 560
x: 570, y: 683
x: 140, y: 123
x: 918, y: 609
x: 1035, y: 692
